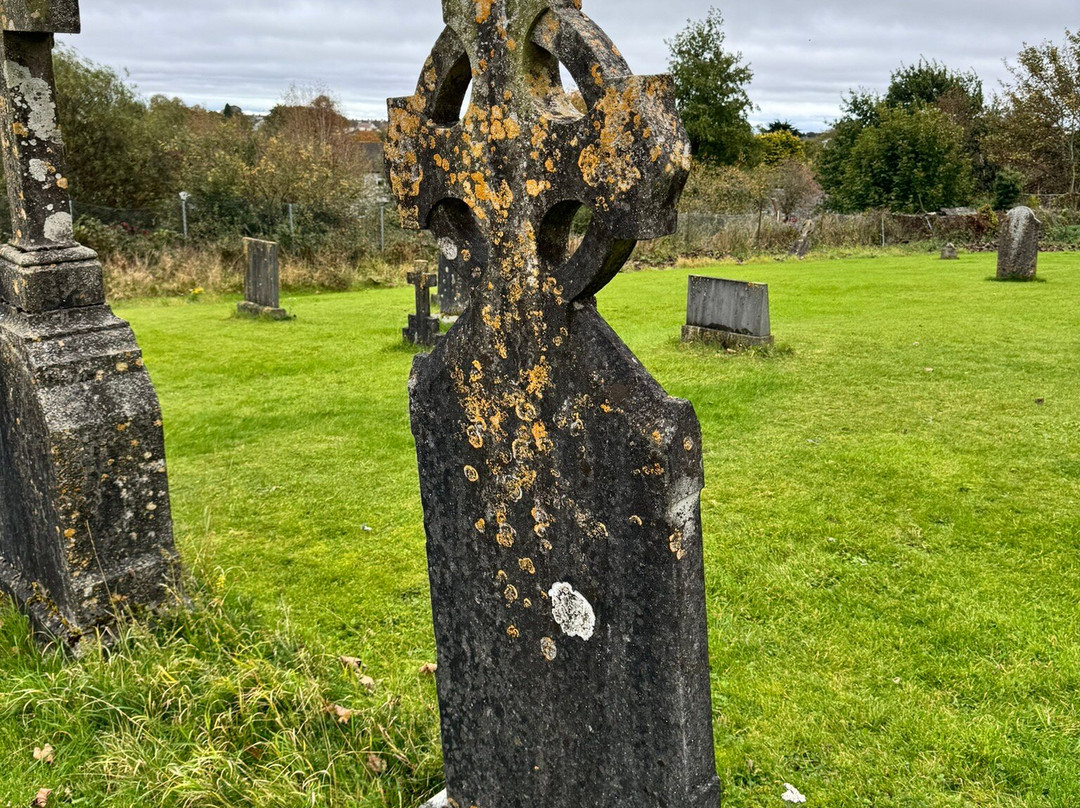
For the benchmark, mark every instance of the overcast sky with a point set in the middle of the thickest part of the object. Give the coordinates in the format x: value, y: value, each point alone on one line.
x: 805, y: 55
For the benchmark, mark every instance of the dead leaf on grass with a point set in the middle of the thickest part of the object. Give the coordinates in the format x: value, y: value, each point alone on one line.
x: 429, y: 668
x: 352, y: 663
x: 368, y: 683
x: 342, y: 714
x: 46, y: 754
x: 41, y: 800
x: 375, y: 763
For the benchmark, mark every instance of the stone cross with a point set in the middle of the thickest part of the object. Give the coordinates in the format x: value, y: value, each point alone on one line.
x: 732, y: 314
x: 560, y: 483
x: 423, y: 329
x: 85, y: 527
x: 1018, y: 245
x: 262, y: 289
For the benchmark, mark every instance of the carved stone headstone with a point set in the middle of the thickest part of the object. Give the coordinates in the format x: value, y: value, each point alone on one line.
x: 262, y: 284
x: 85, y: 527
x: 1018, y: 245
x: 805, y: 241
x: 560, y: 483
x: 453, y: 285
x: 950, y: 253
x: 423, y: 329
x: 733, y: 314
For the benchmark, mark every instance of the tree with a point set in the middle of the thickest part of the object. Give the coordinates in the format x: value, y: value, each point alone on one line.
x: 1038, y: 117
x: 912, y: 161
x: 861, y: 111
x: 782, y: 126
x: 710, y: 91
x: 928, y: 82
x: 774, y: 148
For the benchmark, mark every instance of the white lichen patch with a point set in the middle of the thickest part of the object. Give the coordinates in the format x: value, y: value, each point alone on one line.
x: 448, y: 248
x: 572, y: 611
x: 38, y: 97
x: 39, y: 170
x: 58, y: 227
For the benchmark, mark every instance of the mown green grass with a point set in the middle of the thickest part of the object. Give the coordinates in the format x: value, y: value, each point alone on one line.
x: 892, y: 545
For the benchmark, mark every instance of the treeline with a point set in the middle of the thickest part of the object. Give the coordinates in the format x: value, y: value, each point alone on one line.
x: 136, y: 155
x: 932, y: 140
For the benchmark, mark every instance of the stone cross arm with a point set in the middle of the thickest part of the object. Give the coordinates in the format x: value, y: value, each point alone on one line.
x: 40, y: 16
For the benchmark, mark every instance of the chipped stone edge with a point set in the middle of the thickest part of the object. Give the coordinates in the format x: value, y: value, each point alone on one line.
x: 440, y: 800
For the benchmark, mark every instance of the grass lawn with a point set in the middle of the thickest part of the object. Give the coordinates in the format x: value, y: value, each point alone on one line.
x: 892, y: 529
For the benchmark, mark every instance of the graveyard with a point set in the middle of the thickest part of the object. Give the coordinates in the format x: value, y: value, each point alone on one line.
x: 889, y: 530
x: 684, y: 531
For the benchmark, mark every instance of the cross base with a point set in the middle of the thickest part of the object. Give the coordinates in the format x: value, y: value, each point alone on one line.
x: 725, y: 339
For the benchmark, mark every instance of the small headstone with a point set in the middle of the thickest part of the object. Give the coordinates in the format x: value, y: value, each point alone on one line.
x: 804, y: 243
x: 1018, y: 245
x: 732, y: 314
x: 560, y: 483
x: 85, y: 527
x: 950, y: 253
x: 262, y: 284
x: 423, y: 329
x: 453, y: 284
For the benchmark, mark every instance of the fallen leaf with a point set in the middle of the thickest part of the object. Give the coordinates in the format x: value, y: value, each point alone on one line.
x: 368, y: 683
x: 42, y: 798
x: 352, y: 663
x: 429, y: 668
x: 342, y: 714
x: 792, y: 794
x: 1040, y: 401
x: 375, y: 763
x: 46, y: 754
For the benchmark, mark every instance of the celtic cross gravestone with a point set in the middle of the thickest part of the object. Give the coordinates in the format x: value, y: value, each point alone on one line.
x: 423, y: 329
x: 85, y: 528
x: 560, y: 483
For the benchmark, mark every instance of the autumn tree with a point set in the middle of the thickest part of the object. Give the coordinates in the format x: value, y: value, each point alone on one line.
x: 710, y: 91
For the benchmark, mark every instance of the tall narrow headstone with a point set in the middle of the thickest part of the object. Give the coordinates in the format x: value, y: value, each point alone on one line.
x: 733, y: 314
x: 423, y: 329
x: 560, y: 483
x: 453, y: 284
x: 262, y: 285
x: 85, y: 527
x: 1018, y: 245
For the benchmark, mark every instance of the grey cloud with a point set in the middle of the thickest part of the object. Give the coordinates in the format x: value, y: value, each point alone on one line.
x: 804, y: 56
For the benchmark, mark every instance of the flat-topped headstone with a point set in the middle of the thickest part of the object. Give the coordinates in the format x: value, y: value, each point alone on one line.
x: 423, y: 329
x: 734, y: 314
x: 950, y: 253
x: 1018, y: 245
x: 85, y: 527
x: 262, y: 281
x: 560, y: 483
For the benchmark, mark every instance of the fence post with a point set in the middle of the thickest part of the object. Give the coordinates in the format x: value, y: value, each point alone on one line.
x: 184, y: 196
x: 292, y: 221
x: 382, y: 228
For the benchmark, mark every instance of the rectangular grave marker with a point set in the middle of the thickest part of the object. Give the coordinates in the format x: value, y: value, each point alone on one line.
x: 262, y: 292
x: 423, y: 329
x: 734, y: 314
x: 85, y: 527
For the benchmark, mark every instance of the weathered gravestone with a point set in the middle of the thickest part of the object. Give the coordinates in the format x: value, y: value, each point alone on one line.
x: 423, y: 329
x: 560, y: 483
x: 1018, y: 245
x: 734, y: 314
x: 85, y: 528
x: 805, y: 241
x: 453, y: 283
x: 262, y: 284
x: 950, y: 253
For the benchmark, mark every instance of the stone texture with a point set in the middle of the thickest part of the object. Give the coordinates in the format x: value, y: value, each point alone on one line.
x: 41, y: 16
x: 85, y: 528
x: 560, y: 483
x: 262, y: 286
x: 1018, y: 245
x: 950, y: 253
x: 423, y: 329
x: 732, y: 314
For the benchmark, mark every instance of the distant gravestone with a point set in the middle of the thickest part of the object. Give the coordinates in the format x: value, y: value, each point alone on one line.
x: 85, y: 527
x: 560, y: 483
x: 262, y: 281
x: 950, y: 253
x: 733, y: 314
x: 423, y: 329
x: 1018, y: 245
x: 805, y: 242
x: 453, y: 284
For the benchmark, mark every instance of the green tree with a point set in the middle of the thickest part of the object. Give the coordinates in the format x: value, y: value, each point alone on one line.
x: 710, y: 90
x: 912, y: 161
x: 1037, y: 127
x: 861, y: 111
x: 774, y: 148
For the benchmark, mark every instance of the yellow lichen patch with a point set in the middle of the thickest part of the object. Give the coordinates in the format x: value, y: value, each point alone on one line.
x: 480, y: 525
x: 510, y: 593
x: 471, y: 474
x: 657, y: 437
x: 483, y: 11
x: 534, y: 188
x: 526, y: 565
x: 636, y: 521
x: 688, y: 445
x: 69, y: 533
x: 548, y: 649
x: 538, y: 378
x: 677, y: 545
x: 512, y: 632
